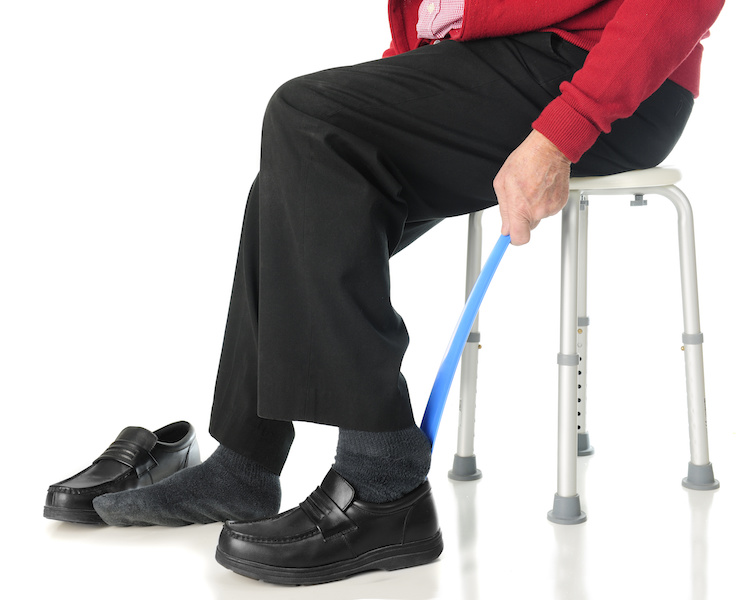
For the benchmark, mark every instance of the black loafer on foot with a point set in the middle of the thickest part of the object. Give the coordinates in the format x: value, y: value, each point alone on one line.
x: 137, y: 458
x: 333, y: 535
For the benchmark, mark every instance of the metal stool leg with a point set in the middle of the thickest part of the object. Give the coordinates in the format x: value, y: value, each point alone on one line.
x: 584, y: 442
x: 464, y: 461
x: 700, y: 471
x: 567, y: 504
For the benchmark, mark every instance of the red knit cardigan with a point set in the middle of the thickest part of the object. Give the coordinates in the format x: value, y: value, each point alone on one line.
x: 635, y: 45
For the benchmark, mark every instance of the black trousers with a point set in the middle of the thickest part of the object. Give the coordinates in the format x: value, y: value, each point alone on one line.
x: 356, y: 163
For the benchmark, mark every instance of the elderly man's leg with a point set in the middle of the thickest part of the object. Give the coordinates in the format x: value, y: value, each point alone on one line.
x: 354, y: 161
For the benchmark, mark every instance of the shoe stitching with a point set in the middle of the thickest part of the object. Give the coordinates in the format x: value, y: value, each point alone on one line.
x: 245, y: 537
x: 90, y: 490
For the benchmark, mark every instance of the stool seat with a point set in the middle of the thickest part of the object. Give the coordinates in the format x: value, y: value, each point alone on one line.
x: 655, y: 177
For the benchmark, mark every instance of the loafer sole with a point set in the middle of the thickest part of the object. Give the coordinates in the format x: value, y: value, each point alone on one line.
x: 72, y: 515
x: 388, y: 558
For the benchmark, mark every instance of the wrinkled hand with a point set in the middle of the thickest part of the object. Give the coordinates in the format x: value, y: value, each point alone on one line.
x: 531, y: 185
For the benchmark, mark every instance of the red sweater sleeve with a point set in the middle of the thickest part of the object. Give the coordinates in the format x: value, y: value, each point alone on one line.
x: 639, y: 49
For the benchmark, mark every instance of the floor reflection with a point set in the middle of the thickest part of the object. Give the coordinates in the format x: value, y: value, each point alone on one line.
x: 466, y: 504
x: 570, y: 562
x: 700, y: 506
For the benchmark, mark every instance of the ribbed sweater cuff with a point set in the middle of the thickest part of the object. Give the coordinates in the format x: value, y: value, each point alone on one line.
x: 567, y: 129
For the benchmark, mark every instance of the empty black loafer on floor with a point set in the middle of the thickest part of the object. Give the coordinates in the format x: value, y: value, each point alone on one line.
x: 137, y: 458
x: 333, y: 535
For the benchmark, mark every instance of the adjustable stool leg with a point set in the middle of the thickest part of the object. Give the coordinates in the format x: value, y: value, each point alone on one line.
x: 464, y: 461
x: 584, y: 443
x: 567, y: 505
x: 700, y: 471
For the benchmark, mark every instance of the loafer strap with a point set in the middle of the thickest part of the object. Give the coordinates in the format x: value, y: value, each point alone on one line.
x: 326, y: 515
x: 132, y: 448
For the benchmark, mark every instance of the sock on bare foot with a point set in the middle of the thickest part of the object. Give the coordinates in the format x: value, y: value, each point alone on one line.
x: 227, y: 486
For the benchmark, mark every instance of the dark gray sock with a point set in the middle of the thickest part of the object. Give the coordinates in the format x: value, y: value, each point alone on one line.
x: 383, y: 466
x: 227, y: 486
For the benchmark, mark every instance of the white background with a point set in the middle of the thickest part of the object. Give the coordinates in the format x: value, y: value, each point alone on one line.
x: 129, y: 136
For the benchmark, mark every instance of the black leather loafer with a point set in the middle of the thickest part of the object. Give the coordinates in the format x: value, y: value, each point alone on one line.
x: 137, y: 458
x: 333, y: 535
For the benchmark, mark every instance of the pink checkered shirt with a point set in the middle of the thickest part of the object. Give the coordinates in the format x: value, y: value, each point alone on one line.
x: 438, y: 17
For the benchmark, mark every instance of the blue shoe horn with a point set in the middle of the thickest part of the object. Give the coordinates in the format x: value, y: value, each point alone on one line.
x: 436, y: 404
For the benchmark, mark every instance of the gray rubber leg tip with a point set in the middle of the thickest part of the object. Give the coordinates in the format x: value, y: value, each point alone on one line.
x: 584, y: 445
x: 700, y: 477
x: 464, y: 469
x: 567, y: 511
